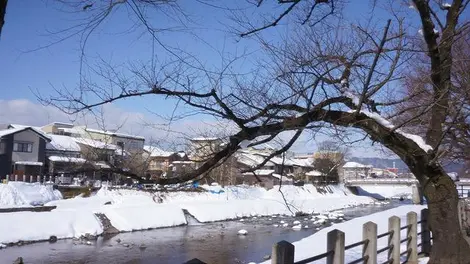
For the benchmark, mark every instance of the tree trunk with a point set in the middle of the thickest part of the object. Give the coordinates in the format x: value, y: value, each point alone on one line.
x: 449, y: 244
x: 3, y: 10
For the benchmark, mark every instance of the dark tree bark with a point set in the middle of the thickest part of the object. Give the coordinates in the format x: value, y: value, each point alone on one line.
x: 3, y: 10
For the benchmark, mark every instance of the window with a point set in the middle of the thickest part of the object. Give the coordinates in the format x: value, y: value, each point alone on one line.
x: 23, y: 146
x: 2, y: 147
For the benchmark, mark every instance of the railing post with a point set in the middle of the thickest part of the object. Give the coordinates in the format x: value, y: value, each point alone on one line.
x: 30, y: 178
x: 8, y: 178
x: 369, y: 234
x: 24, y: 177
x: 425, y: 232
x: 283, y: 253
x: 335, y: 243
x: 394, y: 240
x: 16, y: 177
x: 194, y: 261
x: 38, y: 178
x: 412, y: 234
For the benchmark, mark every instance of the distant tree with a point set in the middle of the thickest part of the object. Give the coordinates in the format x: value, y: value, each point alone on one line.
x: 328, y: 169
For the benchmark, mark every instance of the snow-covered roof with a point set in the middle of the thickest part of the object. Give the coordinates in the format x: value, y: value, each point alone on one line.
x: 18, y: 128
x: 302, y: 162
x: 95, y: 143
x: 283, y: 178
x: 157, y: 152
x: 204, y: 139
x: 69, y: 130
x: 314, y: 173
x: 60, y: 124
x: 30, y: 163
x: 62, y: 143
x: 352, y: 164
x: 260, y: 172
x: 251, y: 160
x: 116, y: 134
x: 66, y: 159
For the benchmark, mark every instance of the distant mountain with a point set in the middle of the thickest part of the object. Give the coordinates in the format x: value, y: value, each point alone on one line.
x: 402, y: 168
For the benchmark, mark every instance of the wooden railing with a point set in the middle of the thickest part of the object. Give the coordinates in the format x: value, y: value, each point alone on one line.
x: 283, y: 252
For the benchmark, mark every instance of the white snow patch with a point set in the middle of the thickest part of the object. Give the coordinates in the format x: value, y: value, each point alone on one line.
x: 385, y: 191
x: 353, y: 233
x: 417, y: 139
x: 242, y: 232
x: 297, y: 227
x: 33, y: 226
x: 21, y: 194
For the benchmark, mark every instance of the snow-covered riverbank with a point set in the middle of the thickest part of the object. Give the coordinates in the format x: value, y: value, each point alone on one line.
x: 308, y: 247
x: 130, y: 210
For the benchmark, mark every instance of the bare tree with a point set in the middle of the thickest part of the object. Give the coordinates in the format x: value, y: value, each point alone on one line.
x: 328, y: 75
x: 328, y: 160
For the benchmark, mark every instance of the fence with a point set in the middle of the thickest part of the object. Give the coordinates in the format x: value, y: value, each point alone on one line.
x: 284, y: 252
x: 37, y: 178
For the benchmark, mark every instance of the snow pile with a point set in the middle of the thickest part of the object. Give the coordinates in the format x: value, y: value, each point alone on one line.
x: 32, y: 226
x: 20, y: 194
x: 255, y: 201
x: 385, y: 191
x: 353, y: 233
x: 144, y: 217
x: 127, y: 210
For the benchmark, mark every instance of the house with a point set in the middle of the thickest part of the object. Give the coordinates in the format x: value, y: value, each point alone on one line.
x: 160, y: 161
x: 355, y: 170
x: 126, y: 142
x: 202, y: 148
x: 63, y: 155
x: 313, y: 176
x: 268, y: 178
x: 60, y: 128
x: 22, y: 151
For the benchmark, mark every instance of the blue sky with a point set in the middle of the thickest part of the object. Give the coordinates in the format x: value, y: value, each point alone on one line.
x: 27, y: 26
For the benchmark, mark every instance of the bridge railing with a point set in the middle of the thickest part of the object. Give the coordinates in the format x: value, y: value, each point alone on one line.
x: 381, y: 180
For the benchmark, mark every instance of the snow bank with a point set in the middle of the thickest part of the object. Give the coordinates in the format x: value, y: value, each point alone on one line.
x: 127, y: 210
x: 144, y: 217
x: 238, y: 202
x: 306, y: 248
x: 31, y: 226
x: 385, y: 191
x: 18, y: 194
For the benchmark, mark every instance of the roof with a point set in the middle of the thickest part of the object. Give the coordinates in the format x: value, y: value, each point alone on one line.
x: 69, y: 130
x: 115, y: 134
x: 21, y: 128
x: 70, y: 125
x: 314, y: 173
x: 95, y: 143
x: 66, y: 159
x: 260, y: 172
x: 204, y: 139
x: 352, y: 164
x: 157, y: 152
x: 62, y: 143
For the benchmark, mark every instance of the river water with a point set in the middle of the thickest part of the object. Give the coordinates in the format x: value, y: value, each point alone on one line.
x: 213, y: 243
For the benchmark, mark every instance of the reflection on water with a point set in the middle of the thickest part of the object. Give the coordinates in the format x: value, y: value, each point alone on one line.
x: 212, y: 243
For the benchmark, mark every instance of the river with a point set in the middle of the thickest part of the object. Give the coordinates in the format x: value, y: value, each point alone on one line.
x: 212, y: 243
